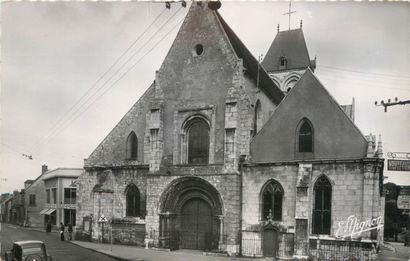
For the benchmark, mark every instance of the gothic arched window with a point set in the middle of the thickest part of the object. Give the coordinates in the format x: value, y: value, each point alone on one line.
x: 322, y: 209
x: 272, y: 195
x: 305, y: 136
x: 132, y: 201
x: 257, y: 119
x: 198, y: 141
x: 132, y: 146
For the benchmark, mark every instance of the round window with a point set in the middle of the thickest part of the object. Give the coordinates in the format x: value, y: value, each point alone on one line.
x: 199, y: 49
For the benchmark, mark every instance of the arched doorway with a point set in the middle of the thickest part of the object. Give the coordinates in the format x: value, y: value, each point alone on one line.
x: 196, y: 224
x: 191, y: 215
x: 270, y: 241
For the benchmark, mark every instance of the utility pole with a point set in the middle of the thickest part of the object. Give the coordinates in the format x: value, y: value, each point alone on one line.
x: 389, y: 103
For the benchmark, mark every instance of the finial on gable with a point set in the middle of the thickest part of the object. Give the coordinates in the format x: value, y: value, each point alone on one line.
x: 278, y: 28
x: 301, y: 22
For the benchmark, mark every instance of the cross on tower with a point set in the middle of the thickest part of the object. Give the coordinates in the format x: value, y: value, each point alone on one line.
x: 290, y: 12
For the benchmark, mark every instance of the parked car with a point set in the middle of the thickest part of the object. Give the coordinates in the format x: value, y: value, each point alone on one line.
x: 30, y: 250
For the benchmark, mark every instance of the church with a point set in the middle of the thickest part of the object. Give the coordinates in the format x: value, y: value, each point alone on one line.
x: 225, y: 154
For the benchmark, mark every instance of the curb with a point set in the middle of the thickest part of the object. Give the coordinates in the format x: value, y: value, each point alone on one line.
x: 68, y: 241
x: 107, y: 254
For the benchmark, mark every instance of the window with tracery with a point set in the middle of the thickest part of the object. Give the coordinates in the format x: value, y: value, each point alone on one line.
x: 272, y: 196
x: 322, y: 208
x: 305, y: 137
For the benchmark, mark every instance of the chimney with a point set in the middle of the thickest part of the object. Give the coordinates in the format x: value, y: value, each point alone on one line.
x: 44, y: 169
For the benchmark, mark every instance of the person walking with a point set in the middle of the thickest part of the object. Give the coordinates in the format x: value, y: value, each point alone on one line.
x: 61, y: 231
x: 70, y: 231
x: 48, y: 227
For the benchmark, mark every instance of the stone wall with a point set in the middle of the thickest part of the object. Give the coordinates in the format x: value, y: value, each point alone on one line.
x: 355, y: 192
x: 112, y: 150
x: 226, y: 184
x: 102, y: 192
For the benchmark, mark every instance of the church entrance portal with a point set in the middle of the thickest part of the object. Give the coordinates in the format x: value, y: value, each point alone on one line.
x: 196, y: 225
x: 191, y: 215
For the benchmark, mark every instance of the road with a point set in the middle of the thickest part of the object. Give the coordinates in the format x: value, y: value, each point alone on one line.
x: 59, y: 250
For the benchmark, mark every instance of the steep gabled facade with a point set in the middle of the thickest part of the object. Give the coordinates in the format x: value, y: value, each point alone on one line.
x: 214, y: 157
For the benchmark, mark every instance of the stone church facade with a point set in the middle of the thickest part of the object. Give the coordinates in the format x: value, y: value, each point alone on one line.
x: 214, y: 156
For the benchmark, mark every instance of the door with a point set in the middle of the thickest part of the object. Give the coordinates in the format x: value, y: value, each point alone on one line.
x: 270, y: 242
x: 196, y: 224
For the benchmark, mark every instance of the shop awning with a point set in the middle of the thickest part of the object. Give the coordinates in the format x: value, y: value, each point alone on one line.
x: 49, y: 211
x: 42, y: 212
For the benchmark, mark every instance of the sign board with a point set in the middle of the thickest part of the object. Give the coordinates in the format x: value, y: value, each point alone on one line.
x: 398, y: 165
x: 403, y: 202
x: 102, y: 219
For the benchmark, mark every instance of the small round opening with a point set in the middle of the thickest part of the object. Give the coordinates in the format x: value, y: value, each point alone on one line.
x: 199, y: 49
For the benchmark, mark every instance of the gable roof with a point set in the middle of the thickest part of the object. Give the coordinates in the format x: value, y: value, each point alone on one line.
x: 290, y: 44
x: 335, y: 135
x: 251, y: 63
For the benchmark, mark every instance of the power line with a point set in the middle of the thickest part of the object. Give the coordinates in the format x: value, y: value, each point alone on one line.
x: 68, y: 120
x: 373, y: 78
x: 361, y: 72
x: 362, y: 82
x: 73, y: 117
x: 101, y: 77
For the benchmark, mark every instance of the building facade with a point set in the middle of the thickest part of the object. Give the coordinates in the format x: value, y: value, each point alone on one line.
x: 5, y: 206
x: 35, y: 200
x: 61, y: 196
x: 214, y: 156
x: 51, y: 197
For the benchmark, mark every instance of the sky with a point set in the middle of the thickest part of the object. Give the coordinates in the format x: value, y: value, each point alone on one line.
x: 55, y: 53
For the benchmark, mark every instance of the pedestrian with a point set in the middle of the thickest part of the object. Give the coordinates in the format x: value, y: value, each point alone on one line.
x: 70, y: 231
x: 61, y: 231
x: 48, y: 227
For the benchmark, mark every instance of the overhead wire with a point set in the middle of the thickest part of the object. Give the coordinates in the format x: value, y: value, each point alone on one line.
x: 72, y: 118
x: 95, y: 84
x: 69, y: 120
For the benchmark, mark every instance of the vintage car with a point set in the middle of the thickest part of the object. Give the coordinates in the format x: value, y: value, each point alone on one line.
x: 31, y: 250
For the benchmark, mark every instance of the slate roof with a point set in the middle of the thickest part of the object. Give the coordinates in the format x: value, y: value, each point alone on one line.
x: 290, y: 44
x: 251, y: 63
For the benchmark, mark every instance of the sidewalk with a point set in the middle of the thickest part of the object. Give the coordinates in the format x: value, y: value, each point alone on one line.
x: 137, y: 253
x: 394, y: 251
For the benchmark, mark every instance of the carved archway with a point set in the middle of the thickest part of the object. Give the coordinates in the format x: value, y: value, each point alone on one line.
x: 181, y: 204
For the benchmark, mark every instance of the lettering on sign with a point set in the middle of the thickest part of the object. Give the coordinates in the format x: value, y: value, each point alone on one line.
x: 353, y: 226
x: 403, y: 202
x: 398, y: 165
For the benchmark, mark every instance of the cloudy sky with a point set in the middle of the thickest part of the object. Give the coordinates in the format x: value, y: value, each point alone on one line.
x: 54, y: 54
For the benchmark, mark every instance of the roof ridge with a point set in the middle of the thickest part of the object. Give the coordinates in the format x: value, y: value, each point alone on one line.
x: 272, y: 91
x: 335, y: 102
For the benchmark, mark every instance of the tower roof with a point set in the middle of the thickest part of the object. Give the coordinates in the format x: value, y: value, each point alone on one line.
x: 292, y: 46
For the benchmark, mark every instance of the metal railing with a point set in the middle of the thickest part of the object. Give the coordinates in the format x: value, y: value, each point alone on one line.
x: 253, y: 246
x: 341, y: 250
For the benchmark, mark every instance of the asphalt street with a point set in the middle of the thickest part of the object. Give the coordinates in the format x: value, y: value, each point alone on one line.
x: 59, y: 250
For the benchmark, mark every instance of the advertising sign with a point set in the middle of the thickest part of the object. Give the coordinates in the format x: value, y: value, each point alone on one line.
x: 403, y: 202
x: 398, y: 165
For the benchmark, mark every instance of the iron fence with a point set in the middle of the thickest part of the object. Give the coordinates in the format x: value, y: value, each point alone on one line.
x: 253, y: 245
x: 321, y: 249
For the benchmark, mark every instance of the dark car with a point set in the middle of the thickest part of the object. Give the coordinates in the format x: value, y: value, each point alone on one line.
x: 31, y: 250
